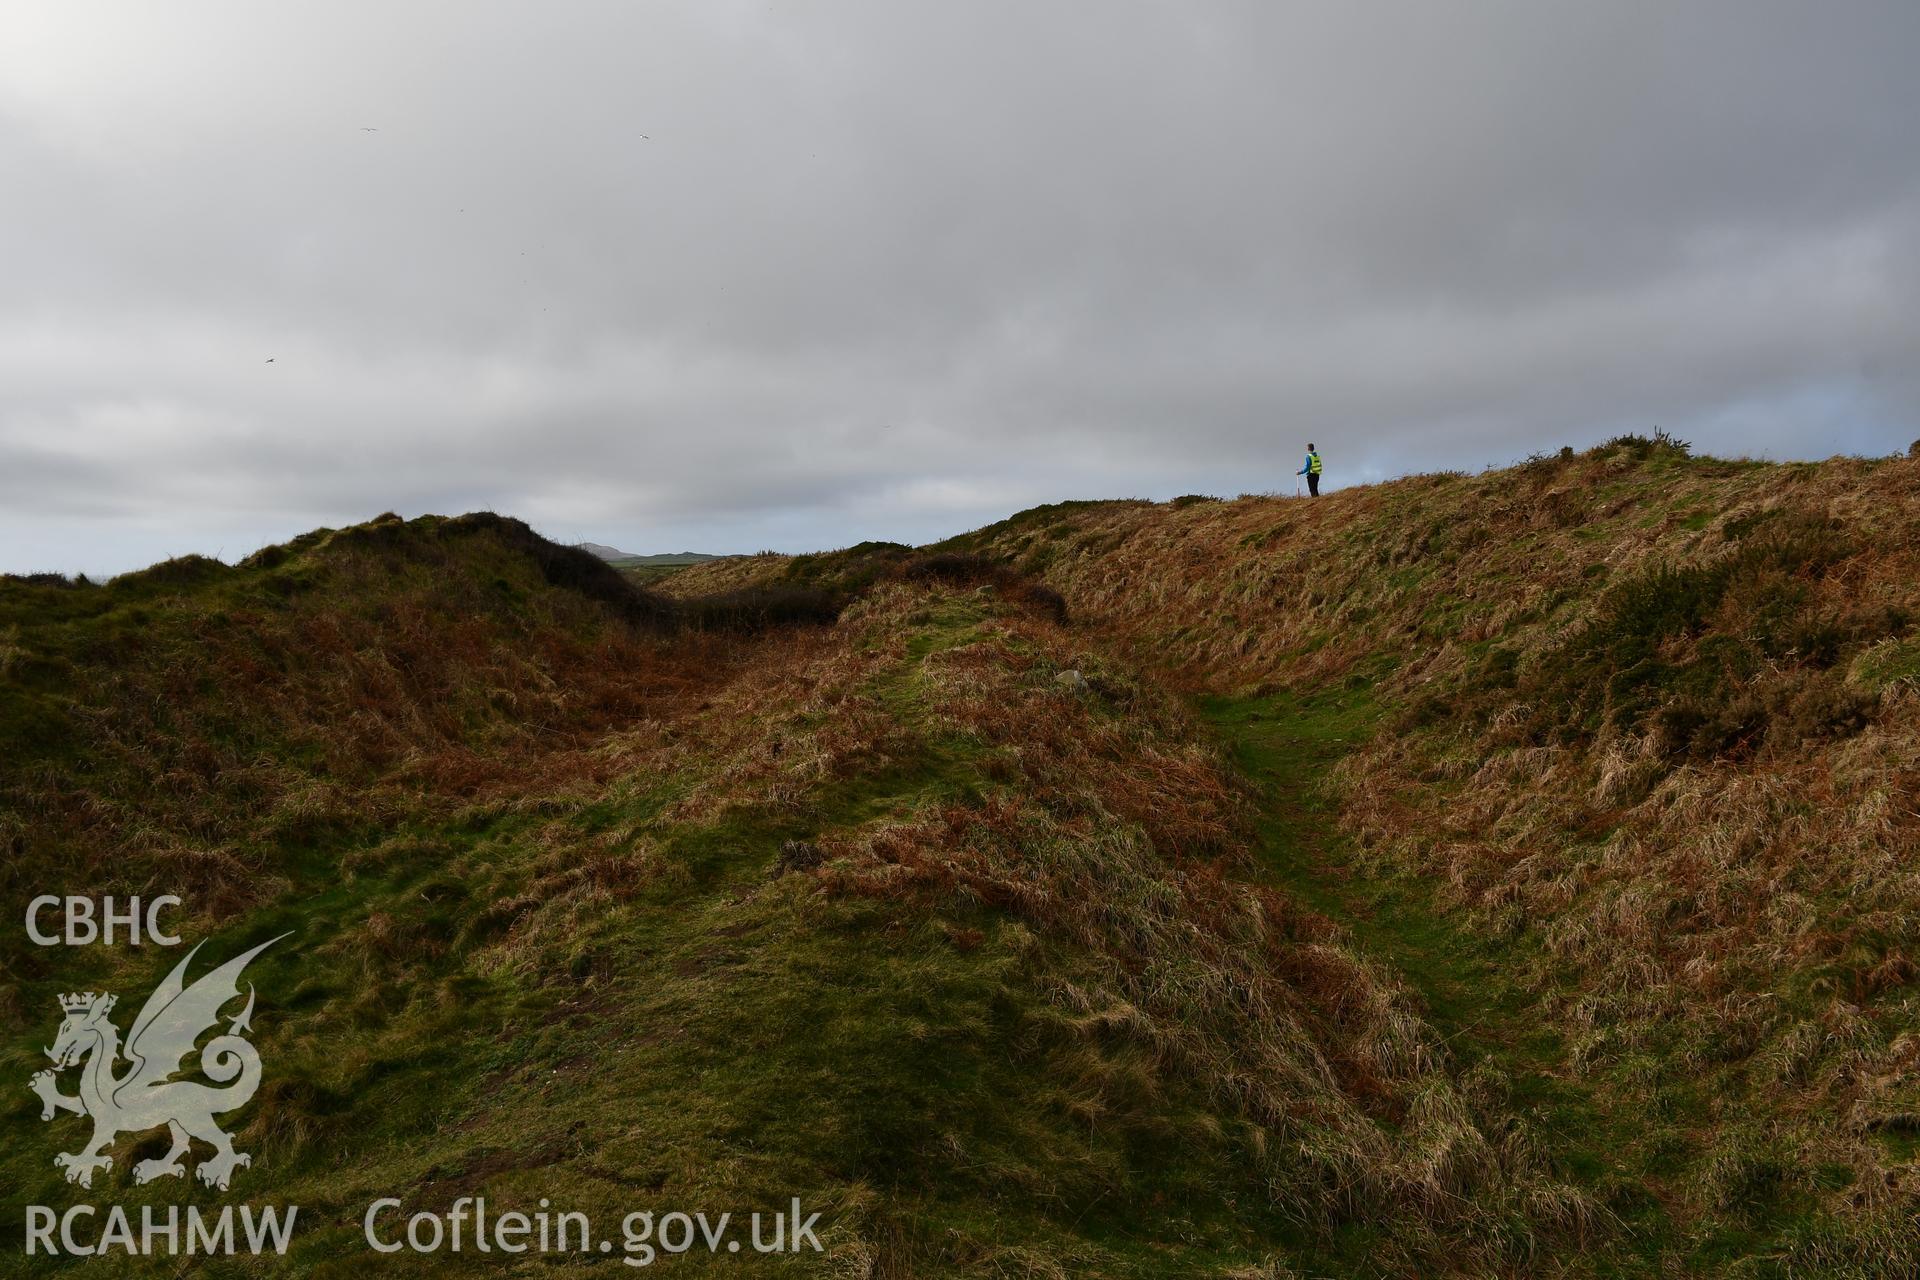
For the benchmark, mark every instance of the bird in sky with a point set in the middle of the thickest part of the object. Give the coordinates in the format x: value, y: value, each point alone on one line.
x: 269, y: 359
x: 364, y: 129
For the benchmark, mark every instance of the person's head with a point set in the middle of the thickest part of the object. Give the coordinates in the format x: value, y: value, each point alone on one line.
x: 1311, y: 446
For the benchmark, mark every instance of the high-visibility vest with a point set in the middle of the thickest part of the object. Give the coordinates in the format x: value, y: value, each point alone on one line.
x: 1313, y: 464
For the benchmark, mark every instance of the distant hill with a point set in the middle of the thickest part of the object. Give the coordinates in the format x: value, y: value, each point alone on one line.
x: 629, y: 559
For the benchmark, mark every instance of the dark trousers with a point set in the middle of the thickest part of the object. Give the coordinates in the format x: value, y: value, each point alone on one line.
x: 1313, y: 484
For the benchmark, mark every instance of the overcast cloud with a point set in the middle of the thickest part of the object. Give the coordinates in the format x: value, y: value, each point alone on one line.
x: 723, y: 276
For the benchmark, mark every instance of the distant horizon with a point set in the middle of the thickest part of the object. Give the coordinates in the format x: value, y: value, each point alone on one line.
x: 624, y: 545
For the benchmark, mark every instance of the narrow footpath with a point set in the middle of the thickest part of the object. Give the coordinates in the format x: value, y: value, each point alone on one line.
x: 1287, y: 745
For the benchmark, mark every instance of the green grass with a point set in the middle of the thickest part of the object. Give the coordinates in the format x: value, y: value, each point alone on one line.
x: 645, y: 575
x: 703, y: 1036
x: 1633, y: 1139
x: 1888, y: 663
x: 1286, y: 743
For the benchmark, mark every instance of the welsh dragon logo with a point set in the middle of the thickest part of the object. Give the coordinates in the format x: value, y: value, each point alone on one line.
x: 145, y: 1096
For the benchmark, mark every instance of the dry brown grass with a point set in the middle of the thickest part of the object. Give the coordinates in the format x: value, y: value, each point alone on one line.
x: 223, y: 730
x: 1112, y: 834
x: 1748, y: 912
x: 729, y: 573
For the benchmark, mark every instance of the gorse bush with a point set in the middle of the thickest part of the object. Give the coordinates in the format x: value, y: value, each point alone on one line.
x: 573, y: 568
x: 46, y: 579
x: 1542, y: 467
x: 1683, y: 642
x: 955, y: 568
x: 180, y: 571
x: 963, y: 568
x: 759, y: 608
x: 1660, y: 444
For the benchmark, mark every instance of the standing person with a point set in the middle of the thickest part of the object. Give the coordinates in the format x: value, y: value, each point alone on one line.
x: 1311, y: 470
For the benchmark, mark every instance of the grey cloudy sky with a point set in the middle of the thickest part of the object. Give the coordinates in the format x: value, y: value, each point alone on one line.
x: 729, y: 276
